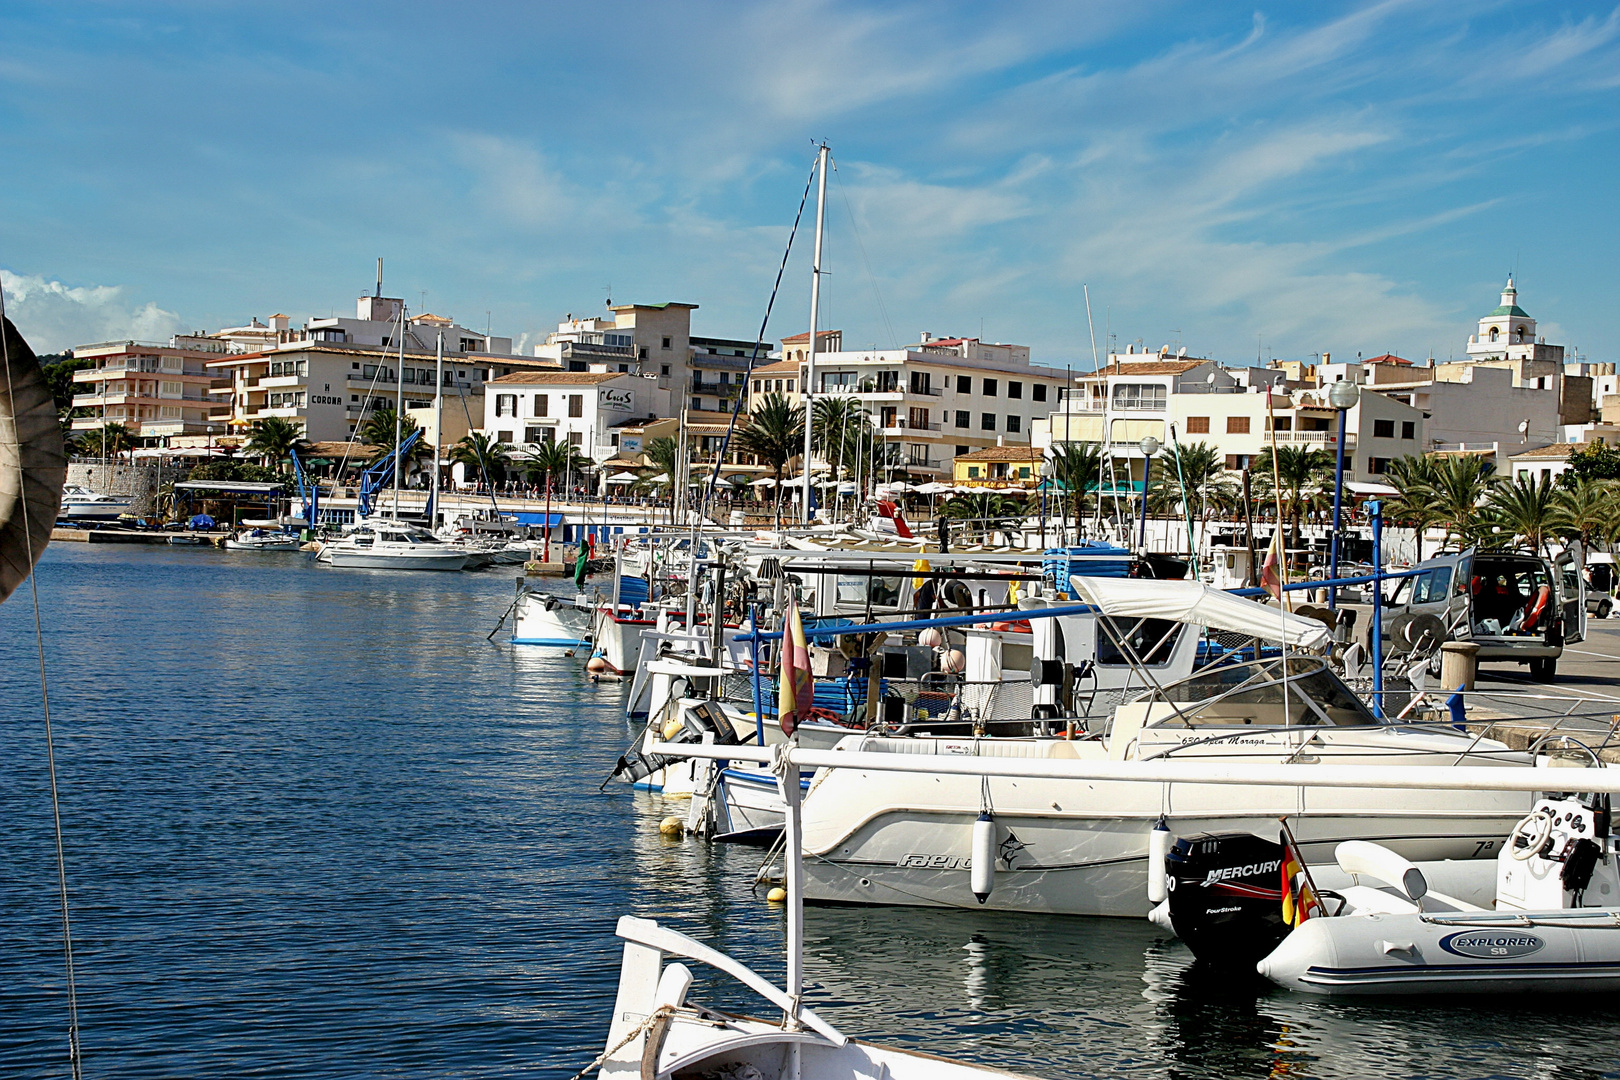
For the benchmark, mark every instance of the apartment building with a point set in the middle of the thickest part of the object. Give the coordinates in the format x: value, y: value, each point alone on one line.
x: 1134, y: 397
x: 152, y: 390
x: 932, y: 401
x: 587, y: 409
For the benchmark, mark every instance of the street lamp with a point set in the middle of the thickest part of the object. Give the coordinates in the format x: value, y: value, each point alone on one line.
x: 1047, y: 472
x: 1343, y: 396
x: 1150, y: 446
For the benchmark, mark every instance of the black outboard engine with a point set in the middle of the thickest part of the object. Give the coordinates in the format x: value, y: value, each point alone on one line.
x: 1226, y: 896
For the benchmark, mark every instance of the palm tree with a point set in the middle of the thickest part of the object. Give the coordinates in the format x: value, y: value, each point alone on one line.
x: 836, y: 427
x: 551, y: 460
x: 774, y: 435
x: 1199, y: 471
x: 1523, y: 507
x: 663, y: 458
x: 1587, y: 510
x: 378, y: 430
x: 273, y: 440
x: 484, y: 454
x: 990, y: 510
x: 108, y: 440
x: 1075, y: 465
x: 1414, y: 477
x: 1457, y: 485
x: 1302, y: 480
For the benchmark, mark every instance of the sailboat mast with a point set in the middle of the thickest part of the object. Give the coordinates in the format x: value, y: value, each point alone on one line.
x: 438, y: 425
x: 815, y: 314
x: 399, y: 408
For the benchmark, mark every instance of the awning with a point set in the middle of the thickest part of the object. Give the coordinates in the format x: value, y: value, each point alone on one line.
x: 1363, y: 488
x: 763, y: 482
x: 623, y: 478
x: 525, y: 517
x: 233, y: 487
x: 1198, y: 604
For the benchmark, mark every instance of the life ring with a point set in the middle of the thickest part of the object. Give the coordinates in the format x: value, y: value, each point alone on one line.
x: 1542, y: 823
x: 1536, y: 607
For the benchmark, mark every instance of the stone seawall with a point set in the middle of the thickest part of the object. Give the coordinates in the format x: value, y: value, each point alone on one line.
x: 122, y: 478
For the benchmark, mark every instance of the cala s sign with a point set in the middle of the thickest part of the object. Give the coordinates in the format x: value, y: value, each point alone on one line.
x: 1491, y: 944
x: 614, y: 400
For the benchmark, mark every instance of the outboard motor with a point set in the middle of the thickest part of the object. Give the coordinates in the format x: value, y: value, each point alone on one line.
x: 1226, y: 896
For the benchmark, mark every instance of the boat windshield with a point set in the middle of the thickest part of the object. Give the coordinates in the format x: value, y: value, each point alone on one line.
x: 1257, y: 693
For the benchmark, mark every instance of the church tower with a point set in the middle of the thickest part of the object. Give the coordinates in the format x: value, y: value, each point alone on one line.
x: 1507, y: 326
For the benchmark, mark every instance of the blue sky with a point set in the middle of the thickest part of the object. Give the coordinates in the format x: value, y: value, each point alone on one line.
x: 1282, y: 178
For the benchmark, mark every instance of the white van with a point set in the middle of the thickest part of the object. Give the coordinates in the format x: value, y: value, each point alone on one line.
x: 1515, y: 606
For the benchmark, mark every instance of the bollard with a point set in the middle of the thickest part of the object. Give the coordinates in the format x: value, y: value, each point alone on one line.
x: 1459, y: 664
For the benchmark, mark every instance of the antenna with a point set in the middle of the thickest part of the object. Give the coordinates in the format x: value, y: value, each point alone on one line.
x: 378, y: 293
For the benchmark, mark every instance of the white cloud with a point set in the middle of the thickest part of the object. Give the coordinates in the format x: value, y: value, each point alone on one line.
x: 54, y: 317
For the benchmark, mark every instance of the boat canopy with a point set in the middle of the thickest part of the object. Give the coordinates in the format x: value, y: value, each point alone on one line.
x: 1197, y: 604
x: 33, y: 466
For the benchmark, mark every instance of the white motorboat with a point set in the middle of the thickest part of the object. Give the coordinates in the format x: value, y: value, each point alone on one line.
x: 81, y: 502
x: 263, y: 540
x: 384, y: 544
x: 1083, y: 849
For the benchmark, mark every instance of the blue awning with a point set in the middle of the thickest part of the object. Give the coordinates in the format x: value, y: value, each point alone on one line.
x: 529, y: 518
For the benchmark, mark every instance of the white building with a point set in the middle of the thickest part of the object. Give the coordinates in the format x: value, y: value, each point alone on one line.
x: 585, y: 409
x: 933, y: 401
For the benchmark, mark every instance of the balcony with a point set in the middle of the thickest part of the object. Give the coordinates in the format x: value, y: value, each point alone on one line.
x: 924, y: 391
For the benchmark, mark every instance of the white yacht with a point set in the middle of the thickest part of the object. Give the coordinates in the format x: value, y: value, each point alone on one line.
x: 384, y: 544
x: 259, y: 539
x: 81, y: 502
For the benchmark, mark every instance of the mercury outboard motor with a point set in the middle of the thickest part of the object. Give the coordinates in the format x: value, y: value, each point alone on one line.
x: 1226, y: 896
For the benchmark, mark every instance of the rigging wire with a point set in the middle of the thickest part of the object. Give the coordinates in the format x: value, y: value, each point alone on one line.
x: 742, y: 392
x: 883, y: 311
x: 74, y: 1058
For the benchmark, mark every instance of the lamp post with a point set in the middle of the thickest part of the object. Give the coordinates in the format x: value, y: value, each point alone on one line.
x: 1150, y: 446
x: 1343, y: 396
x: 1047, y: 472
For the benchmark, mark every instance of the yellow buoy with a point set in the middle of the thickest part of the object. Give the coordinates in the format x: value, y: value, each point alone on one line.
x: 672, y: 728
x: 777, y: 895
x: 671, y: 826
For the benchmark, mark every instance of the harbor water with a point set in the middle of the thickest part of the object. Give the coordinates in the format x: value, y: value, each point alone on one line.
x: 316, y: 826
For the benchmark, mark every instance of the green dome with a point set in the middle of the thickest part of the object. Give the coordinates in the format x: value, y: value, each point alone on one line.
x: 1512, y: 311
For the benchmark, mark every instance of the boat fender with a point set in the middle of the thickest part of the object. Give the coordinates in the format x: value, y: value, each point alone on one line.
x: 1160, y: 917
x: 983, y: 871
x: 1159, y: 841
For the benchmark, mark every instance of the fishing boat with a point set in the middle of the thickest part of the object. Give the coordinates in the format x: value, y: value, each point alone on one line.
x: 80, y: 502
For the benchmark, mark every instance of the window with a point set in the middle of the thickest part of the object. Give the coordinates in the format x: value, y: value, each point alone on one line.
x: 918, y: 418
x: 576, y: 404
x: 666, y: 343
x: 1280, y: 423
x: 960, y: 450
x: 790, y: 390
x: 503, y: 436
x: 1038, y: 391
x: 169, y: 412
x: 1015, y: 390
x: 973, y: 473
x: 533, y: 434
x: 987, y: 422
x: 354, y: 397
x: 964, y: 384
x: 1139, y: 396
x: 917, y: 453
x: 663, y: 369
x: 1408, y: 429
x: 838, y: 381
x: 542, y: 405
x: 963, y: 418
x: 1378, y: 466
x: 1493, y: 335
x: 505, y: 404
x: 641, y: 354
x: 576, y: 438
x: 1198, y: 425
x: 1237, y: 425
x: 697, y: 404
x: 921, y: 382
x: 1431, y: 587
x: 1013, y: 424
x: 989, y: 388
x: 1237, y: 462
x: 171, y: 389
x: 354, y: 366
x: 1383, y: 429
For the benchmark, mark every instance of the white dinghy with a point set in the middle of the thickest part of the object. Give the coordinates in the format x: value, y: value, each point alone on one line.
x: 1555, y: 927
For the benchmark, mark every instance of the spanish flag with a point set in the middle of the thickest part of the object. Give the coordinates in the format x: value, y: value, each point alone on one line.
x: 795, y: 695
x: 1299, y: 900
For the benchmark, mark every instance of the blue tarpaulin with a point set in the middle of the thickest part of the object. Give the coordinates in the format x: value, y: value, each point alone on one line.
x: 527, y: 517
x: 201, y: 521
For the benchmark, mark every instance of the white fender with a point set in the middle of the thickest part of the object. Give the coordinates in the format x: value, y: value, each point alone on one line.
x: 1159, y: 841
x: 983, y: 871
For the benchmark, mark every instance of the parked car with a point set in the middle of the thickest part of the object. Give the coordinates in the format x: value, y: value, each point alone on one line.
x: 1516, y: 606
x: 1600, y: 583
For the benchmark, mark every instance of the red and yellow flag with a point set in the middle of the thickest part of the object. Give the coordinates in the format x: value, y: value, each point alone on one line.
x: 1299, y: 901
x: 795, y: 695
